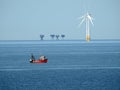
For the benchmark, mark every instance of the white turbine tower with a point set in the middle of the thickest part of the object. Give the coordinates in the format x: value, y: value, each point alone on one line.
x: 88, y: 19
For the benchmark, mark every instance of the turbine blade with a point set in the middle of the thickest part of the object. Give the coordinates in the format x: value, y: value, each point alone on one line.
x: 90, y: 18
x: 82, y: 21
x: 91, y: 21
x: 81, y: 17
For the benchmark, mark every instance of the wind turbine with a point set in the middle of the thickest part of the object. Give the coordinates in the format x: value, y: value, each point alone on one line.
x: 87, y: 18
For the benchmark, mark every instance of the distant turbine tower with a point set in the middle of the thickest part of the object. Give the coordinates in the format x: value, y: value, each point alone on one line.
x: 87, y: 18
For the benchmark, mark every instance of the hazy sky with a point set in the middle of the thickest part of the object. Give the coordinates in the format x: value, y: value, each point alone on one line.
x: 27, y: 19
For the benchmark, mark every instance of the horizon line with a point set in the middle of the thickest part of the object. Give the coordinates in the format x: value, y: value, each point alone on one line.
x: 62, y: 40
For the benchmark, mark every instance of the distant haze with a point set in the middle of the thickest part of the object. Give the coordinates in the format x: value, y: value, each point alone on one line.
x: 27, y: 19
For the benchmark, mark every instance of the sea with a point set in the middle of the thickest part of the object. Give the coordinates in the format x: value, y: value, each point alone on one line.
x: 72, y: 65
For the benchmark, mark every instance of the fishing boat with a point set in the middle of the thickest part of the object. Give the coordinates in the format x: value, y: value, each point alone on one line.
x: 39, y: 61
x: 42, y: 59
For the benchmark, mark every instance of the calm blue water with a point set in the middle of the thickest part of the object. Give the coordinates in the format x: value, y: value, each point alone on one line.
x: 72, y: 65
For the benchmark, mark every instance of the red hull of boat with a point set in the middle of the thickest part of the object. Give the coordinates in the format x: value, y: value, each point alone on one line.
x: 40, y: 61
